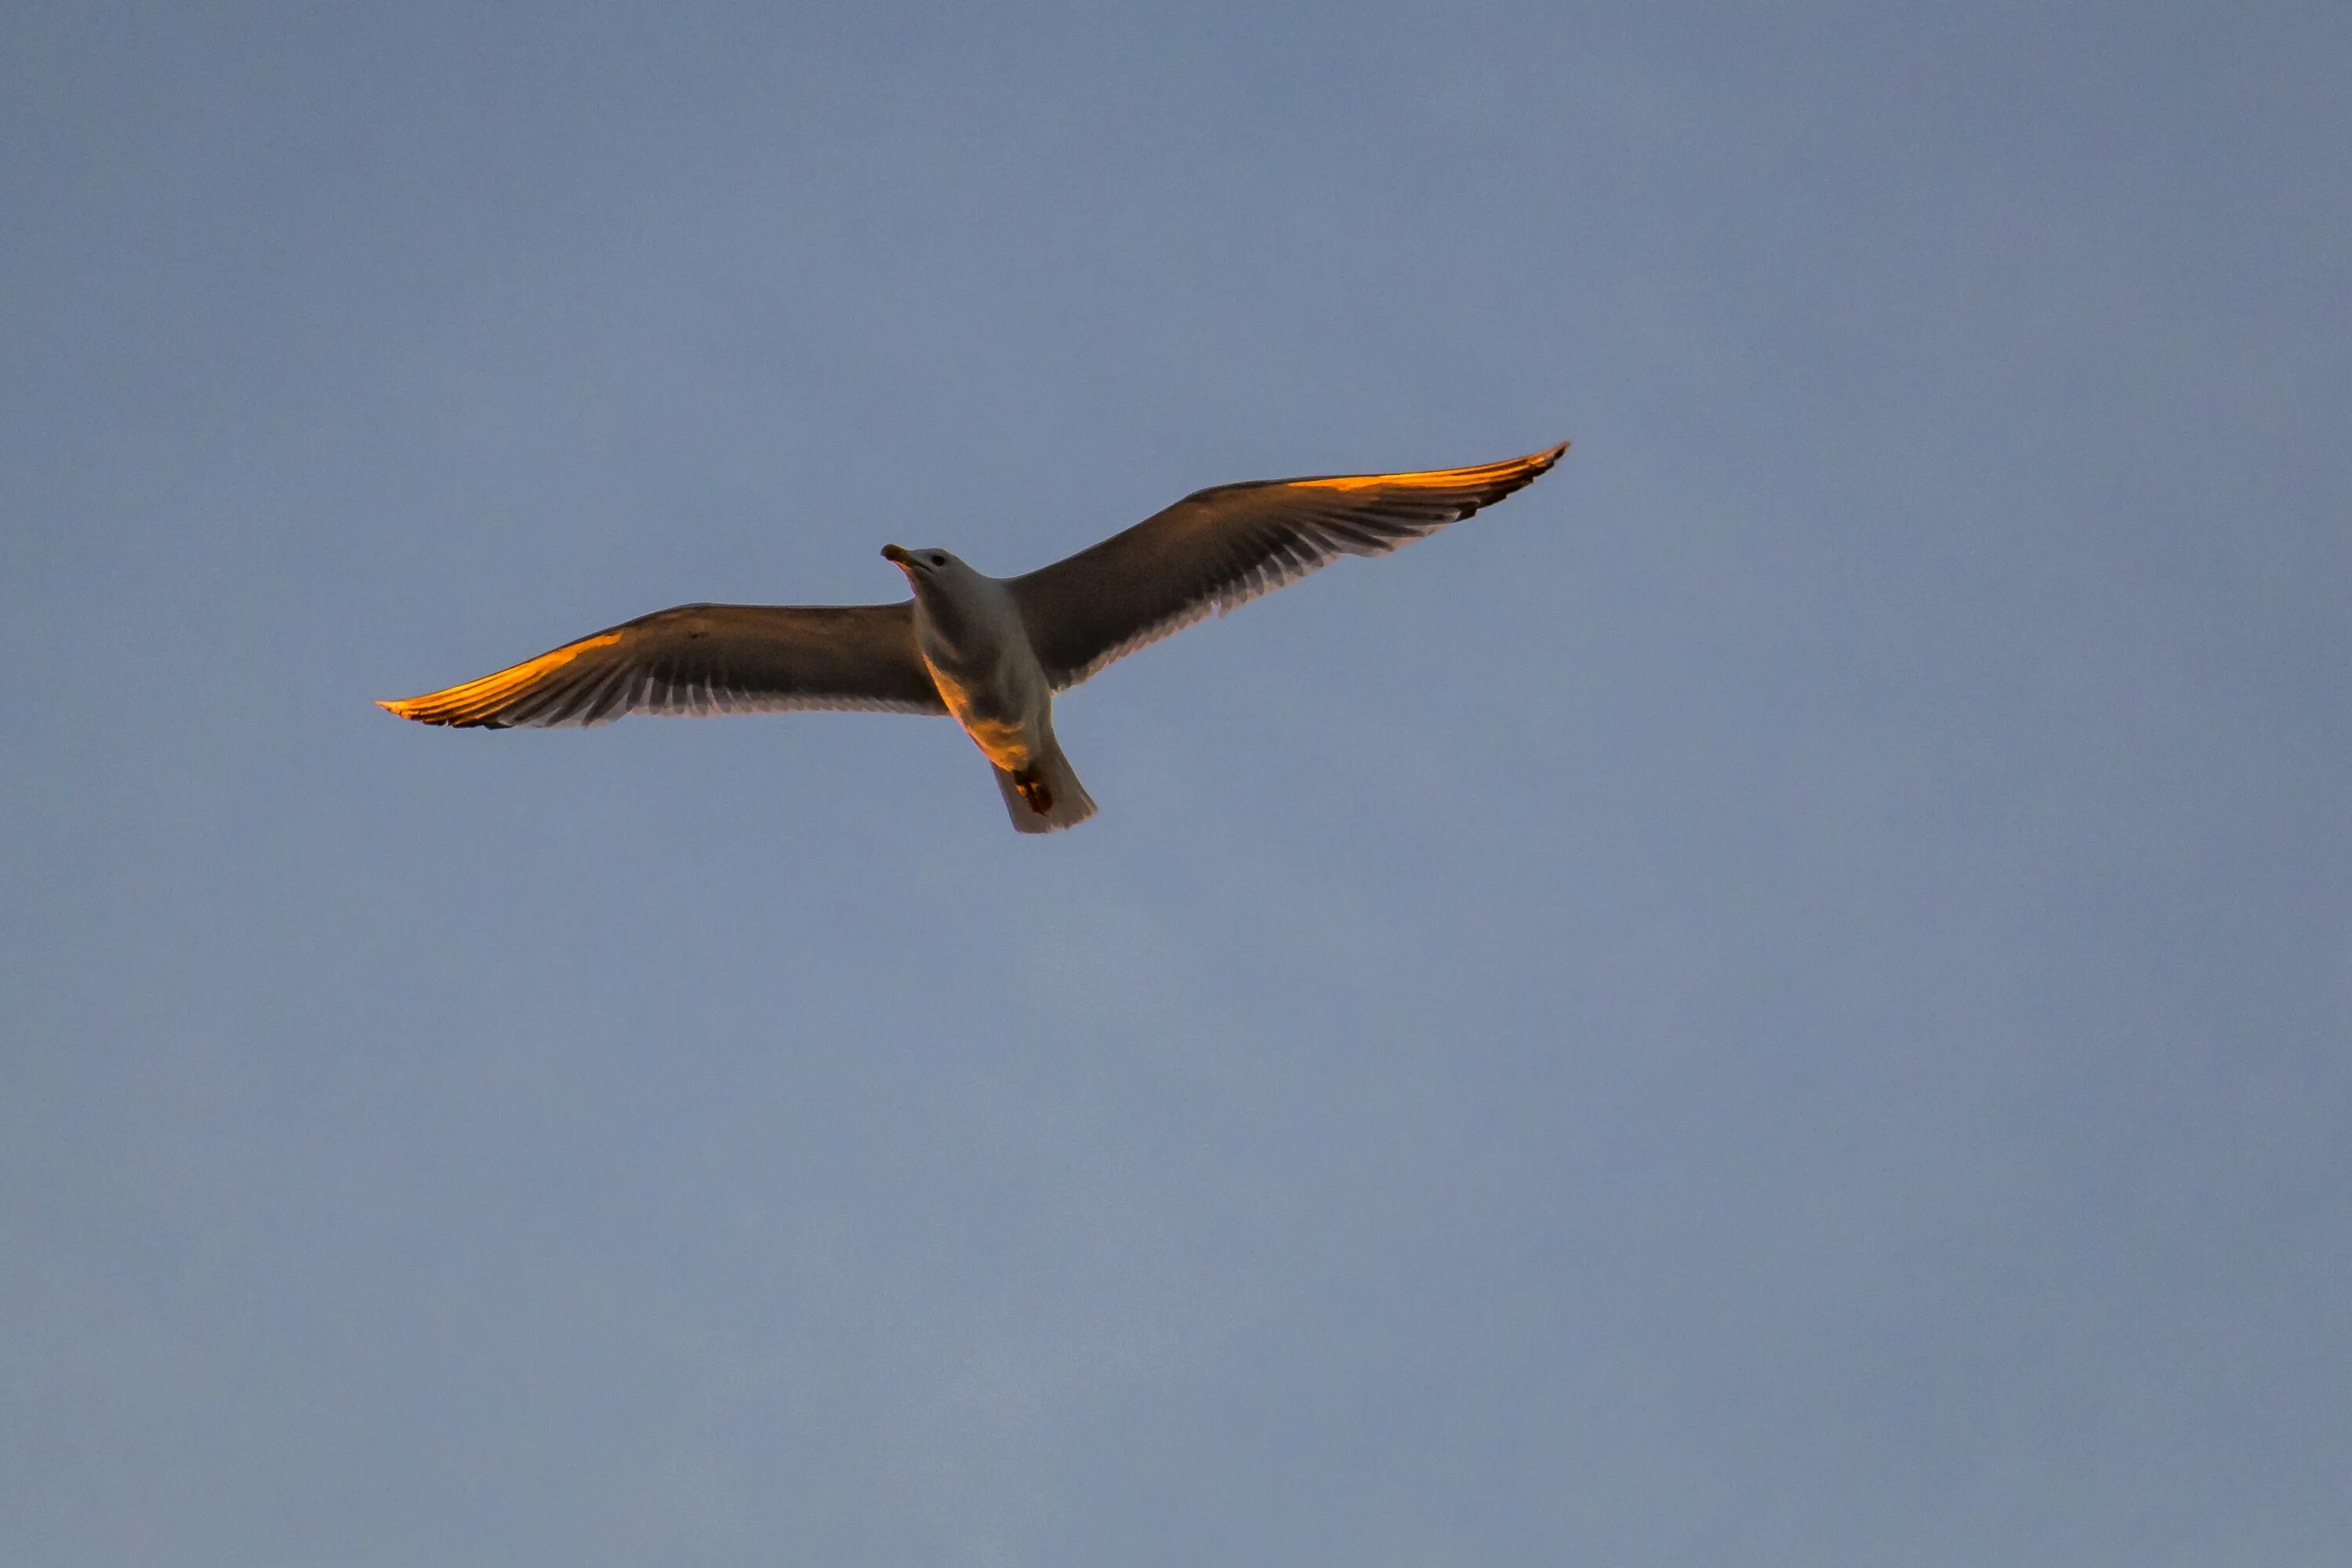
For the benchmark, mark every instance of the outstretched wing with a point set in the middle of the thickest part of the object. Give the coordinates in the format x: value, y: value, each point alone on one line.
x: 1217, y: 549
x: 704, y: 658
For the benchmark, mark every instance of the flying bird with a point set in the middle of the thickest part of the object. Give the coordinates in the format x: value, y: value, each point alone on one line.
x: 991, y: 652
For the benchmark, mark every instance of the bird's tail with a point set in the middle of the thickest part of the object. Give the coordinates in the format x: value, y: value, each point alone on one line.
x: 1046, y: 796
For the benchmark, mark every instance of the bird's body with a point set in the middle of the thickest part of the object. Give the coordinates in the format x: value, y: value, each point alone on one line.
x: 970, y: 633
x: 990, y: 652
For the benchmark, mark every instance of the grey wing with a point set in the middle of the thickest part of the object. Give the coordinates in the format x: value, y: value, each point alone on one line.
x: 1217, y: 549
x: 703, y: 658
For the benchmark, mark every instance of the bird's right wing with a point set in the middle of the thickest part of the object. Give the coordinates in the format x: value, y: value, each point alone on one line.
x: 704, y: 658
x: 1217, y: 549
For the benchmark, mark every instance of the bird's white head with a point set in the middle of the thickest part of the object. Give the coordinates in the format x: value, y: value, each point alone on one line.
x: 932, y: 569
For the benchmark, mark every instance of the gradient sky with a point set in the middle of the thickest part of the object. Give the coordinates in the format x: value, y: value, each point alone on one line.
x: 1783, y: 997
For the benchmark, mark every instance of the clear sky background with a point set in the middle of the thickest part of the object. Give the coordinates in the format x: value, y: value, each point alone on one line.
x: 1783, y: 997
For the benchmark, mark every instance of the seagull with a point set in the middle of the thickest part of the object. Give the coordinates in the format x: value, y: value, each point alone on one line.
x: 990, y: 652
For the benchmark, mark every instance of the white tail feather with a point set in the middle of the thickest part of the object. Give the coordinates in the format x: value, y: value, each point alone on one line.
x: 1053, y: 779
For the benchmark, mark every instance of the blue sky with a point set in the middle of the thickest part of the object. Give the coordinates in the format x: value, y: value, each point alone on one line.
x: 1782, y: 997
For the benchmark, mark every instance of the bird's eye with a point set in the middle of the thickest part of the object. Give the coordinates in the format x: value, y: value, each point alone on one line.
x: 938, y: 560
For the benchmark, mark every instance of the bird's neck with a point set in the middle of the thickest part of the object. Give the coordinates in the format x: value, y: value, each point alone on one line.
x: 962, y: 623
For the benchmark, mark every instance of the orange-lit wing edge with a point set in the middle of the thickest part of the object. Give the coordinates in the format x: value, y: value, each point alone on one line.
x: 702, y: 659
x: 1218, y: 549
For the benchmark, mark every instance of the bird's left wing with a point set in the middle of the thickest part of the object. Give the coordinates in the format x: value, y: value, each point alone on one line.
x: 1219, y: 548
x: 704, y: 658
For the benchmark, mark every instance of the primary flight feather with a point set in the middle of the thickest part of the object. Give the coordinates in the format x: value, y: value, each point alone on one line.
x: 989, y: 651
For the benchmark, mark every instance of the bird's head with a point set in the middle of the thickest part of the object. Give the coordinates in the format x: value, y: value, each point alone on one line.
x: 925, y: 568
